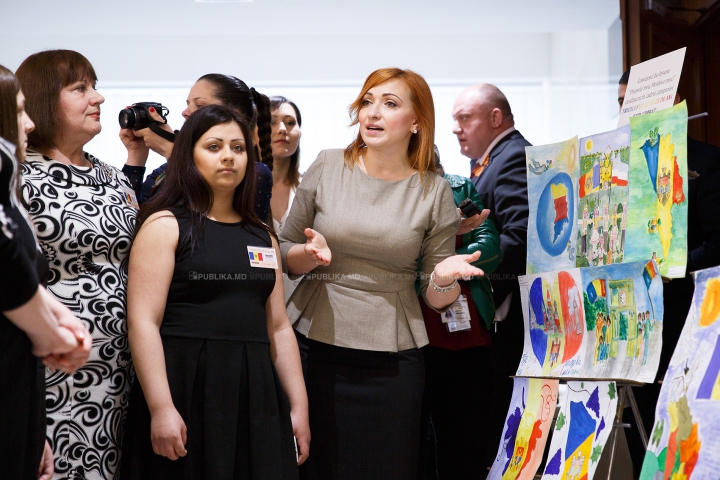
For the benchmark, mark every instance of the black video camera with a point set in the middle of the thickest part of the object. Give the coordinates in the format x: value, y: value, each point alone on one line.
x: 138, y: 116
x: 468, y: 208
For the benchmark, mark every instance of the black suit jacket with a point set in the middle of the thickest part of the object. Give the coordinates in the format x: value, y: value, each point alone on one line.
x: 503, y: 189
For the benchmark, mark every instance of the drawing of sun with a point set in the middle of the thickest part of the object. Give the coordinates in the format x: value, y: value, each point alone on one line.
x: 588, y: 145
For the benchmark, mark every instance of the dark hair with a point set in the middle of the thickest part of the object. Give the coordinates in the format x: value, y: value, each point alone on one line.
x: 293, y: 174
x: 250, y: 104
x: 42, y: 76
x: 625, y: 78
x: 186, y: 188
x: 9, y: 89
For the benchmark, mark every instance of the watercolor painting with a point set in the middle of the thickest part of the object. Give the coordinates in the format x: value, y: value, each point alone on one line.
x: 595, y: 322
x: 685, y: 439
x: 624, y: 310
x: 657, y: 214
x: 603, y: 198
x: 552, y: 172
x: 526, y: 430
x: 554, y: 324
x: 581, y: 430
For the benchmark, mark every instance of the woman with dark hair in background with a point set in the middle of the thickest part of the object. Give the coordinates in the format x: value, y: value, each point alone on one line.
x: 84, y: 213
x: 32, y: 323
x: 286, y: 122
x: 379, y: 207
x: 220, y: 390
x: 216, y: 89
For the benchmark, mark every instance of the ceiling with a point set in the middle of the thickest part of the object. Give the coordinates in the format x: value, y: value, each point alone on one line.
x: 304, y: 17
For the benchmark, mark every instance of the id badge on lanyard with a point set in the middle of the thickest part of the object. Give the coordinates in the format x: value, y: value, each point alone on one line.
x: 457, y: 317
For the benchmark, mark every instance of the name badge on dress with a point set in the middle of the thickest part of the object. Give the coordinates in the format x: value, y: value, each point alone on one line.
x: 130, y: 197
x: 262, y: 257
x: 457, y: 317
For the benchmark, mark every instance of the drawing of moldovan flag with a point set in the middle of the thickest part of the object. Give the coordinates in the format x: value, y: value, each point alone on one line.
x: 589, y: 182
x: 256, y: 256
x: 596, y: 289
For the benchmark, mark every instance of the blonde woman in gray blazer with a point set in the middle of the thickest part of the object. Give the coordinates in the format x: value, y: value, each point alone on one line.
x: 361, y: 221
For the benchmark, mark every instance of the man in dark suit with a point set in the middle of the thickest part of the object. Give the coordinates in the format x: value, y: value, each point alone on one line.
x: 703, y: 245
x: 485, y: 128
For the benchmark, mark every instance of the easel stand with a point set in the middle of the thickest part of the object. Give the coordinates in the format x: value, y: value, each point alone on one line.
x: 625, y: 392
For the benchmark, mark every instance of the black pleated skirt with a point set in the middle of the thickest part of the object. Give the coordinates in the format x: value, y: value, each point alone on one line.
x: 236, y: 413
x: 364, y: 412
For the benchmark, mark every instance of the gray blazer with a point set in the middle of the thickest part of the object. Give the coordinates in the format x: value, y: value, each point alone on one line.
x: 377, y: 230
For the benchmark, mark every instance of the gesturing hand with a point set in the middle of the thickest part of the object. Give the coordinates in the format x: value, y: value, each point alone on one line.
x: 168, y: 433
x: 457, y: 266
x: 468, y: 224
x: 316, y: 247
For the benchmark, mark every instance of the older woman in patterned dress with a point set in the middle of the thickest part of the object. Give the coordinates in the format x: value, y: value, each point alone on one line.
x: 83, y: 212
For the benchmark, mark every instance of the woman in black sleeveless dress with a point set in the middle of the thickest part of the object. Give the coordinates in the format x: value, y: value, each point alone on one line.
x: 220, y: 391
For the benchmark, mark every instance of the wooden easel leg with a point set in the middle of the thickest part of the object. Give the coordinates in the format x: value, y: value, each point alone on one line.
x: 638, y: 418
x: 616, y: 424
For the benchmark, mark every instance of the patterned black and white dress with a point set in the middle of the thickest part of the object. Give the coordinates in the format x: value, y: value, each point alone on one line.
x: 84, y: 219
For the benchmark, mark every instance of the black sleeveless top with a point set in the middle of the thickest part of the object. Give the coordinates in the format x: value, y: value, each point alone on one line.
x: 219, y: 368
x: 215, y: 294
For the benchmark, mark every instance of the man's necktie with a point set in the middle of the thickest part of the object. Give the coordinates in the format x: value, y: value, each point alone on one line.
x: 478, y: 167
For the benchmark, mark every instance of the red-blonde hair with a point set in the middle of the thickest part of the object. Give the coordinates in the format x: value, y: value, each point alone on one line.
x: 421, y: 148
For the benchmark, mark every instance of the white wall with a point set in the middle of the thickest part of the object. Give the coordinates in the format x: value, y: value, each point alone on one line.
x: 545, y: 111
x: 555, y: 59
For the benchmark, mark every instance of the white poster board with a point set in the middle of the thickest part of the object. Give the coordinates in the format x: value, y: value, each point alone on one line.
x: 652, y: 85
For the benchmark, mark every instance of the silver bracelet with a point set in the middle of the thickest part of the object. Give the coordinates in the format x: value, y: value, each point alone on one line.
x: 442, y: 289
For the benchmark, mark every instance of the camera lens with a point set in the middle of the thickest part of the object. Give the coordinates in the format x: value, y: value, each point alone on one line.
x: 127, y: 118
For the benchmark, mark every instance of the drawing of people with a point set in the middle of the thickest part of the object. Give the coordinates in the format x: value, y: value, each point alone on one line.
x: 605, y: 345
x: 583, y: 237
x: 646, y: 338
x: 638, y: 335
x: 614, y: 214
x: 606, y: 216
x: 594, y: 240
x: 556, y: 319
x: 623, y: 224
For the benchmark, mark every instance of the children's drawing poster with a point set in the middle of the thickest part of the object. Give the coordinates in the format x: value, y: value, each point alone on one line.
x: 657, y: 215
x: 552, y: 172
x: 595, y: 322
x: 526, y: 429
x: 685, y: 440
x: 581, y: 430
x: 623, y: 316
x: 603, y: 198
x: 554, y: 324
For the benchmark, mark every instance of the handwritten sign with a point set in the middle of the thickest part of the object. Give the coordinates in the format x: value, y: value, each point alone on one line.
x: 652, y: 85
